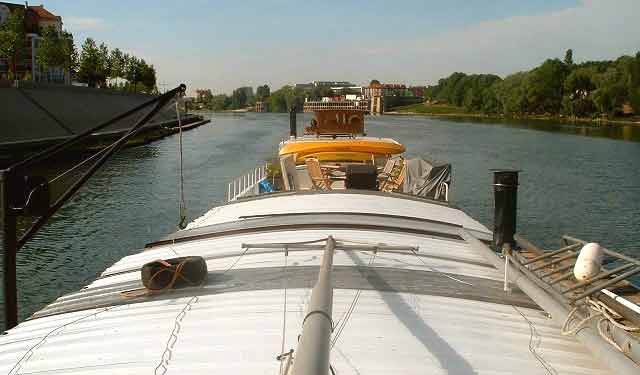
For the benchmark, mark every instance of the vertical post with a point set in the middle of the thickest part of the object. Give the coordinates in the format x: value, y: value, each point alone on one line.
x: 228, y: 192
x: 293, y: 129
x: 9, y: 248
x: 505, y: 189
x: 314, y: 345
x: 506, y: 251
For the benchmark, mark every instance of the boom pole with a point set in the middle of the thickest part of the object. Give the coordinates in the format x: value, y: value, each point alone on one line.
x: 312, y: 356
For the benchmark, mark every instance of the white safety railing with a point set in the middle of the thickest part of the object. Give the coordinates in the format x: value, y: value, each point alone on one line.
x: 247, y: 184
x: 446, y: 191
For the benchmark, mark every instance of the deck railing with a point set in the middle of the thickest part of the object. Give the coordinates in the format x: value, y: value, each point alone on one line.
x: 246, y: 184
x: 553, y: 270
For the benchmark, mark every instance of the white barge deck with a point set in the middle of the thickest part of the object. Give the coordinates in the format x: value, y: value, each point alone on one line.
x: 440, y: 310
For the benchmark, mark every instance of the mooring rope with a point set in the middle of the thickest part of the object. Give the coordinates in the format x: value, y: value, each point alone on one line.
x: 81, y: 163
x: 345, y: 317
x: 602, y: 311
x: 29, y: 353
x: 437, y: 271
x: 183, y: 205
x: 534, y: 342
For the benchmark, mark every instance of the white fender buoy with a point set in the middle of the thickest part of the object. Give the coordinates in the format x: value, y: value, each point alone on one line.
x: 589, y: 261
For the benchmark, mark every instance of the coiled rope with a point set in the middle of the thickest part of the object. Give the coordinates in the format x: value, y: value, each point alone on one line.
x: 176, y: 273
x: 602, y: 311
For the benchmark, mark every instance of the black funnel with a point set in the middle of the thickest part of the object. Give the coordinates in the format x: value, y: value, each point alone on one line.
x: 505, y: 190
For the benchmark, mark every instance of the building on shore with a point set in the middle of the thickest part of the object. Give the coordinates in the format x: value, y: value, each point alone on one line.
x: 36, y: 19
x: 417, y: 91
x: 385, y: 95
x: 260, y: 106
x: 331, y: 84
x: 347, y: 90
x: 248, y: 91
x: 374, y: 97
x: 337, y: 103
x: 377, y: 105
x: 385, y: 89
x: 304, y: 86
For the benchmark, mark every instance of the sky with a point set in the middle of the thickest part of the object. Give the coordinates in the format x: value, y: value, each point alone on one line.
x: 222, y: 45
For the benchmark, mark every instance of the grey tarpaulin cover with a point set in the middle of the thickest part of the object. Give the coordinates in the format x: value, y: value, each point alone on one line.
x: 426, y: 178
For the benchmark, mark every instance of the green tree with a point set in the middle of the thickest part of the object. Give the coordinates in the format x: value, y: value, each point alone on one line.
x: 490, y: 102
x: 91, y: 70
x: 70, y: 61
x: 285, y: 98
x: 147, y: 76
x: 609, y: 99
x: 578, y: 87
x: 374, y: 82
x: 57, y: 50
x: 12, y: 38
x: 204, y: 96
x: 511, y: 94
x: 568, y: 57
x: 50, y: 52
x: 612, y: 91
x: 220, y: 102
x: 634, y: 85
x: 117, y: 64
x: 132, y: 72
x: 553, y: 87
x: 104, y: 64
x: 544, y: 87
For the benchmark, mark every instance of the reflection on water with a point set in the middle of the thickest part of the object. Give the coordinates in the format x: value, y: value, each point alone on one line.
x: 627, y: 132
x: 585, y: 186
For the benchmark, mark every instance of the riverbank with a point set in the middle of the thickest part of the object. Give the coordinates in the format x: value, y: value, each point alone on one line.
x: 459, y: 112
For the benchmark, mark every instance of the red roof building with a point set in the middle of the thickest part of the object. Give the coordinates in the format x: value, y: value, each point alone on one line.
x: 24, y: 64
x: 46, y: 18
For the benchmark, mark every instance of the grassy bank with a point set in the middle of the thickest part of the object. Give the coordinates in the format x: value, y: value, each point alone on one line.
x: 438, y: 109
x: 446, y: 110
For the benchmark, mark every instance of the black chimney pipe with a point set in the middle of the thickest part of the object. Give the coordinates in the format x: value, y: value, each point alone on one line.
x: 505, y: 191
x: 293, y: 129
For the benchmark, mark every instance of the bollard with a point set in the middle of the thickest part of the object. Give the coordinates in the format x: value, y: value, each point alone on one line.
x: 505, y: 189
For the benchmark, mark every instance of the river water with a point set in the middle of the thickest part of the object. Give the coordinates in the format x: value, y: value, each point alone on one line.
x: 582, y: 181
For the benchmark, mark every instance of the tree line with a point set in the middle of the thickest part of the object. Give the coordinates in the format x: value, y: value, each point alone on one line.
x: 281, y: 100
x: 96, y: 65
x: 99, y: 66
x: 556, y: 87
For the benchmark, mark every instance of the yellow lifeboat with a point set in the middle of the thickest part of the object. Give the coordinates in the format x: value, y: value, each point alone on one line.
x: 337, y: 135
x: 341, y: 149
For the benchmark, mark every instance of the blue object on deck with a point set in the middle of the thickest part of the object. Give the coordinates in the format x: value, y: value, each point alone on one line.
x: 266, y: 187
